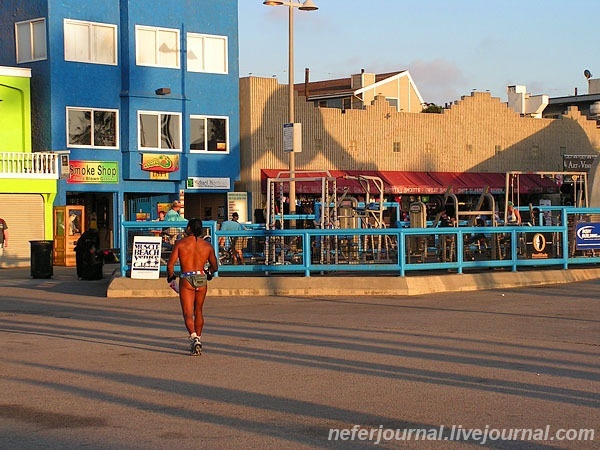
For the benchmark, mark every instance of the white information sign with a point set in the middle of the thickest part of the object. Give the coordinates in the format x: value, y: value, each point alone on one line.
x: 208, y: 183
x: 292, y: 137
x: 238, y: 202
x: 145, y: 260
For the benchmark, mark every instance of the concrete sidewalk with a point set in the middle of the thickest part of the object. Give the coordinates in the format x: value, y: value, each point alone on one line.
x: 80, y: 370
x: 332, y: 284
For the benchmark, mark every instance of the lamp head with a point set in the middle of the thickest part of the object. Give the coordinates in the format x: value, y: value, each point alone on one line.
x: 272, y: 3
x: 308, y: 5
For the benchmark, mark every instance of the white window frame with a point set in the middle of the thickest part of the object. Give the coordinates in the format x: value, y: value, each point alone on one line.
x: 91, y: 42
x: 206, y: 137
x: 199, y: 54
x: 92, y: 128
x: 35, y: 46
x: 394, y: 102
x: 159, y: 115
x: 157, y: 51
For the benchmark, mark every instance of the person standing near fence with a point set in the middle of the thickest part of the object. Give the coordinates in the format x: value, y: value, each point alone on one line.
x: 3, y: 238
x: 173, y: 215
x: 233, y: 225
x: 448, y: 241
x: 193, y: 253
x: 513, y: 217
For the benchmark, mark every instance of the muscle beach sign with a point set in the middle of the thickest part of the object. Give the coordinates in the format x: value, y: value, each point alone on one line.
x: 145, y: 257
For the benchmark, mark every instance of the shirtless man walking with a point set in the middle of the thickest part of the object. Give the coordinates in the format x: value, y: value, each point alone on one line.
x: 193, y: 253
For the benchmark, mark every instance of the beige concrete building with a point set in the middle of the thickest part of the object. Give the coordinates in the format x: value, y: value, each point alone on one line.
x: 477, y: 134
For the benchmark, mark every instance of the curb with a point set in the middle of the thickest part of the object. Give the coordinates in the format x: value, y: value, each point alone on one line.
x: 227, y: 286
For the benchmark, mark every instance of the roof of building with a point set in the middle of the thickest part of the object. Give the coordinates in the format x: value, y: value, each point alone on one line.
x: 572, y: 99
x: 337, y: 87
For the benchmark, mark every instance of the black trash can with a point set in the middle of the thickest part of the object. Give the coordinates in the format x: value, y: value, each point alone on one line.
x: 41, y: 259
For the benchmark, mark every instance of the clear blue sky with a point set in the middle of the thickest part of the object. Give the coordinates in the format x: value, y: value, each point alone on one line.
x: 450, y: 47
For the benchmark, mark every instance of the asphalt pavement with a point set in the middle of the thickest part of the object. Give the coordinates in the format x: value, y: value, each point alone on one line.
x: 81, y: 370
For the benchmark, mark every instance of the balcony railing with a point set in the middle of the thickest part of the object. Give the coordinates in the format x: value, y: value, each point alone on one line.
x: 38, y: 165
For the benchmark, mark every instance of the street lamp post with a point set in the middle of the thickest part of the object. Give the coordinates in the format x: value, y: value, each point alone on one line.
x: 307, y: 5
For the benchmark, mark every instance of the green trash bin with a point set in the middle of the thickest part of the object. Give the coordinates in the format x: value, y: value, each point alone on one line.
x: 41, y: 259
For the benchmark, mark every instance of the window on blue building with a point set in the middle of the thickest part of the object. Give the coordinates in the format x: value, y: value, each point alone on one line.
x: 206, y: 53
x: 88, y: 127
x: 158, y: 47
x: 209, y: 134
x: 90, y: 42
x: 31, y: 40
x: 159, y: 130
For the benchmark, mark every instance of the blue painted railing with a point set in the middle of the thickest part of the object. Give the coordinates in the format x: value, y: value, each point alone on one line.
x: 392, y: 251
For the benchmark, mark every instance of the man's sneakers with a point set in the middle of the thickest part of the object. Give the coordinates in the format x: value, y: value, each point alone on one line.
x: 195, y: 346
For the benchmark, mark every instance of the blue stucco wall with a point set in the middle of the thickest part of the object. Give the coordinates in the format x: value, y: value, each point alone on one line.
x: 16, y: 11
x: 192, y: 93
x: 57, y: 83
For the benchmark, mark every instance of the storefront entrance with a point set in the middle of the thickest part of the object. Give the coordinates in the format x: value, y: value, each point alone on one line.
x: 98, y: 211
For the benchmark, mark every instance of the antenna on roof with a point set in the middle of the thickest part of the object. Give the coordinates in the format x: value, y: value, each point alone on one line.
x: 587, y: 74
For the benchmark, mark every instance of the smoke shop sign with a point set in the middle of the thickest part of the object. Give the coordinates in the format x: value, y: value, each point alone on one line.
x: 93, y: 172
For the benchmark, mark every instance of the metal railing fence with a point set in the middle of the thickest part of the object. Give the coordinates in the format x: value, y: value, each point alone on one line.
x: 391, y: 251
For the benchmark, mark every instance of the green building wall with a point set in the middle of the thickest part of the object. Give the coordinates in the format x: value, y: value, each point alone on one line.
x: 15, y: 137
x: 15, y: 110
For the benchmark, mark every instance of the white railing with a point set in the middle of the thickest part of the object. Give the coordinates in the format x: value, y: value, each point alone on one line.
x: 39, y: 165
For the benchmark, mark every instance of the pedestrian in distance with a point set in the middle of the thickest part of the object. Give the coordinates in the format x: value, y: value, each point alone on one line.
x: 173, y: 214
x: 3, y: 237
x: 194, y: 255
x: 513, y: 217
x: 446, y: 220
x: 233, y: 225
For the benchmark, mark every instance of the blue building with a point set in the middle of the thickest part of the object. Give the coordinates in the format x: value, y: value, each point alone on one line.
x: 143, y: 95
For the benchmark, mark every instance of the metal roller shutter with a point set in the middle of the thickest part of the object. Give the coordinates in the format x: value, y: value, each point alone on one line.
x: 24, y: 215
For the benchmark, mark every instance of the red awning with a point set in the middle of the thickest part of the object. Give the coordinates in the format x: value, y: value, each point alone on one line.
x: 426, y: 183
x: 471, y: 182
x: 531, y: 183
x: 412, y: 183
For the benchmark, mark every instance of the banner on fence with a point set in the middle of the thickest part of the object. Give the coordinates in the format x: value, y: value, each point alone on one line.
x: 145, y: 259
x: 539, y: 245
x: 588, y: 235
